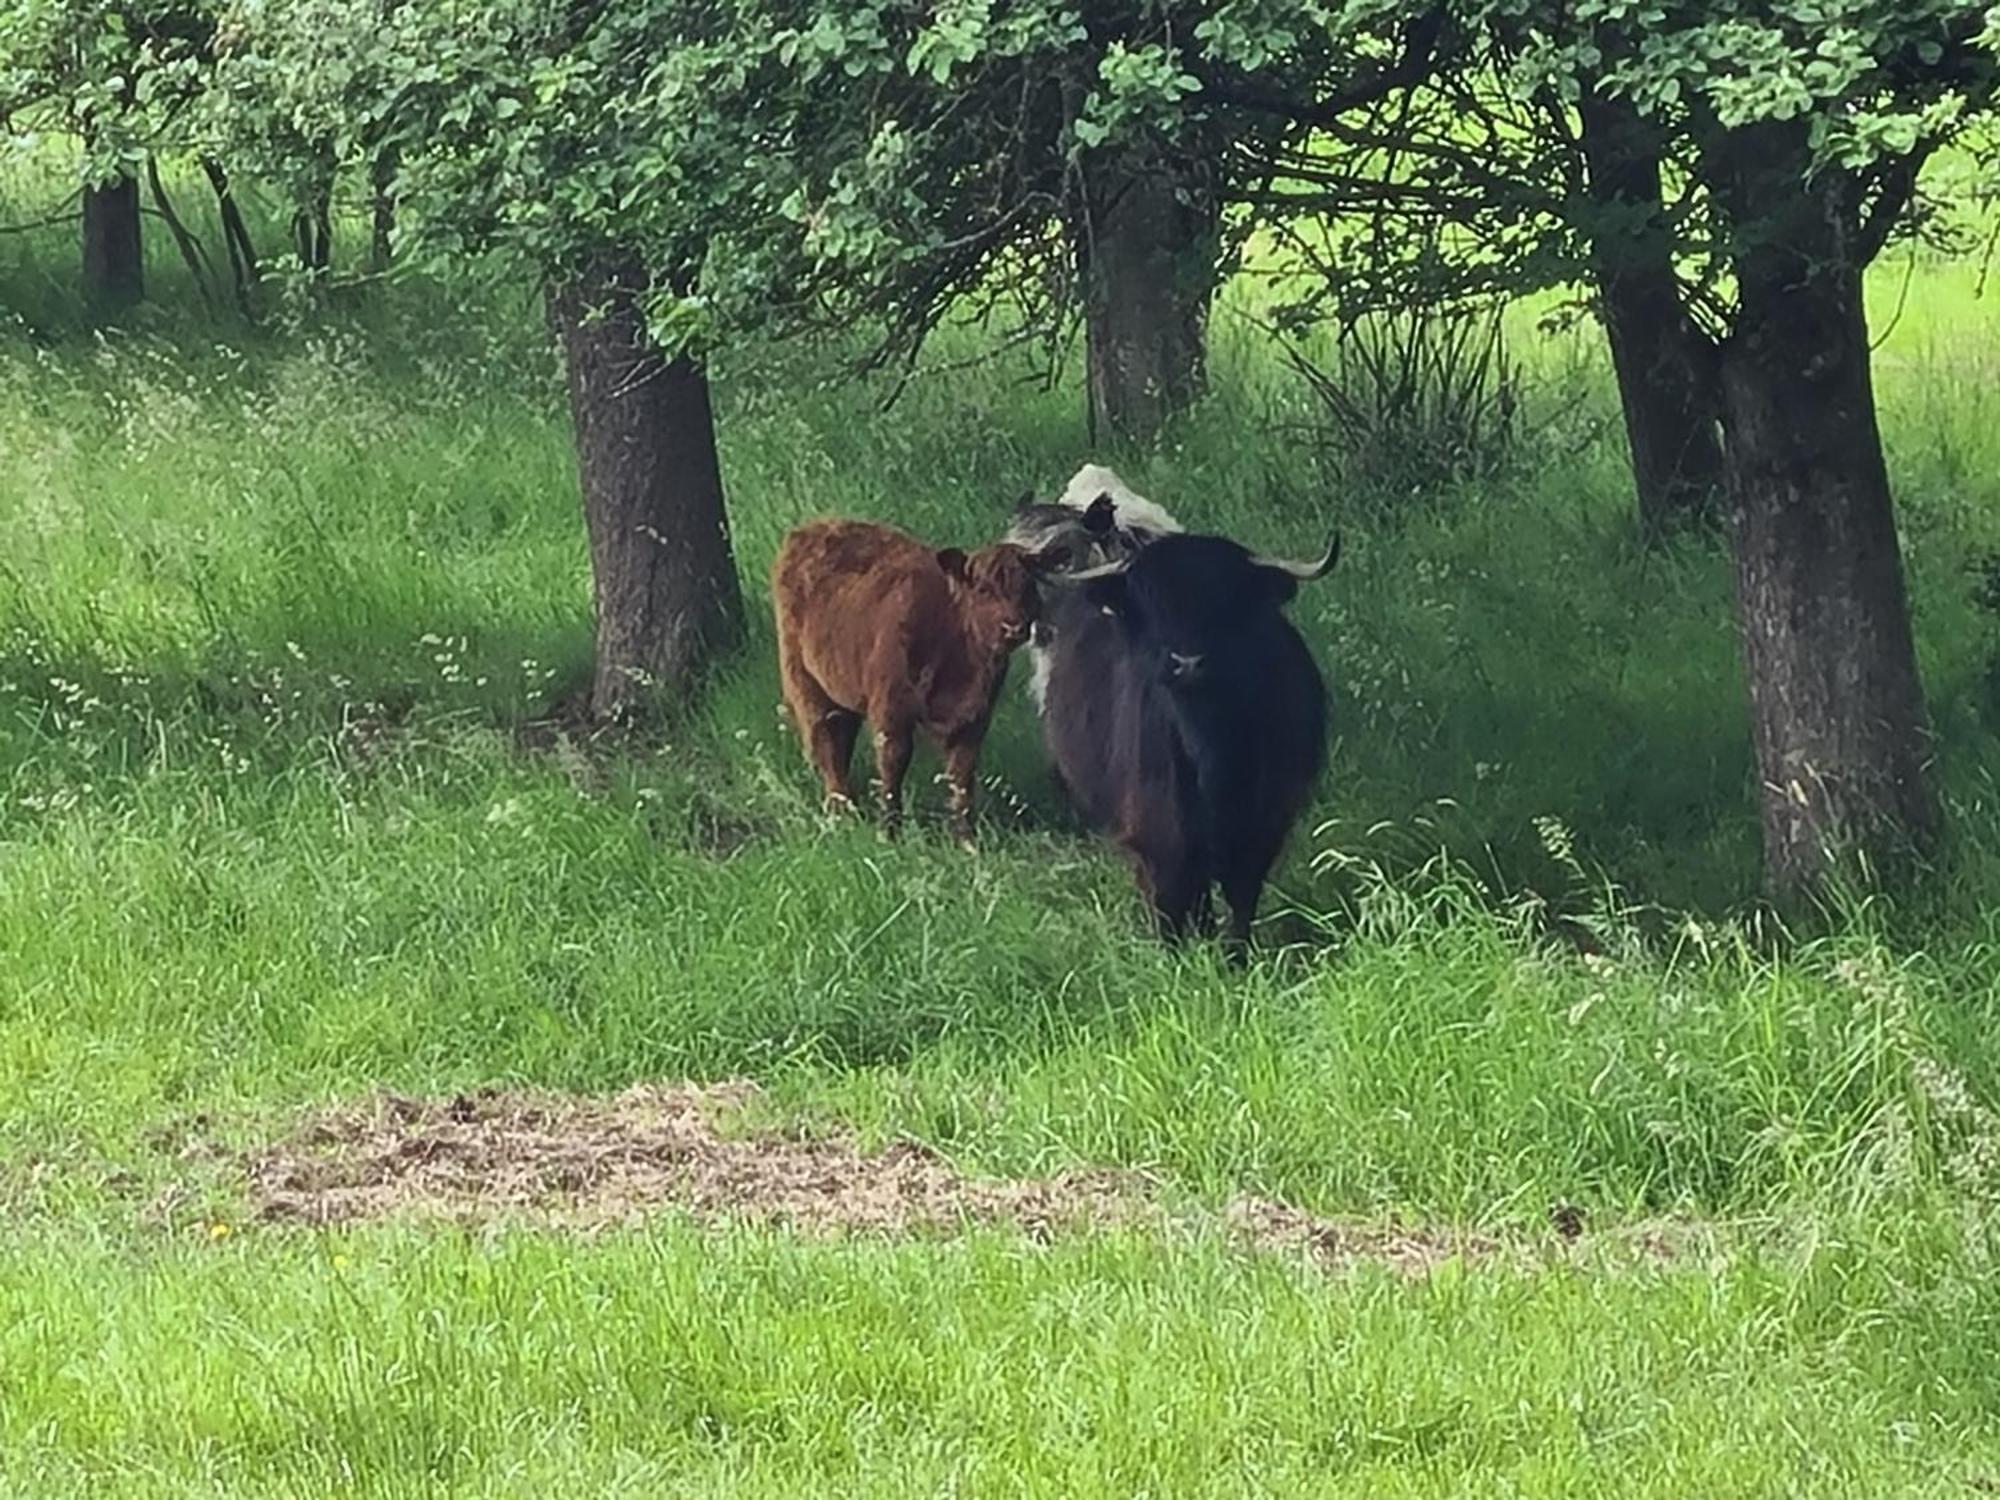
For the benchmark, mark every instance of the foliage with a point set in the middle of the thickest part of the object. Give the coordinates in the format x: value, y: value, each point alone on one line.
x: 752, y: 1365
x: 299, y: 89
x: 1454, y: 189
x: 780, y: 162
x: 122, y: 74
x: 683, y: 136
x: 1471, y: 177
x: 775, y: 162
x: 272, y: 620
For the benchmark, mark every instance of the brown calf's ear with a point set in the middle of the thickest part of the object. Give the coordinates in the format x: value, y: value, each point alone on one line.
x: 952, y: 560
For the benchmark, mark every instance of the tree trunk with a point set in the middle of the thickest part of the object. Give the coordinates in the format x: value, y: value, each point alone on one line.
x: 114, y: 262
x: 1147, y: 245
x: 312, y: 229
x: 382, y: 186
x: 243, y: 267
x: 192, y: 254
x: 667, y: 596
x: 1668, y: 393
x: 312, y: 219
x: 1837, y: 708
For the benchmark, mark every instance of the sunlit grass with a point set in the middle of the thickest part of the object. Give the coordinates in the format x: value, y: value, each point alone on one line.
x: 273, y: 605
x: 398, y: 1364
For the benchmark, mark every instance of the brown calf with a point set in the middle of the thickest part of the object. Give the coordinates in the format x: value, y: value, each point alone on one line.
x: 874, y: 625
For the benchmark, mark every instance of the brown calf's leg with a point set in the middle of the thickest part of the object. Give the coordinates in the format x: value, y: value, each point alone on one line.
x: 827, y: 730
x: 892, y: 763
x: 961, y: 770
x: 833, y: 740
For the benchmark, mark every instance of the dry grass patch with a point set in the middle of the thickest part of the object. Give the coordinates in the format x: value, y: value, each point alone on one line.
x: 528, y: 1156
x: 586, y: 1162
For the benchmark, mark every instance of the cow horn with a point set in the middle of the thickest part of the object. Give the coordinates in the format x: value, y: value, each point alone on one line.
x: 1103, y: 570
x: 1305, y: 572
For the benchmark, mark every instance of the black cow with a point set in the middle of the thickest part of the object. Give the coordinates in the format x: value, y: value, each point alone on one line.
x: 1186, y: 718
x: 1099, y: 519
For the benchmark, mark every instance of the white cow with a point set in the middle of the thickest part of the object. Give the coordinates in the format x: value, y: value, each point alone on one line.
x: 1131, y: 511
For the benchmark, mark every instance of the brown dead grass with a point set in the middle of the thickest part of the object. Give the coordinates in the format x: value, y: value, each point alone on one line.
x: 1268, y: 1225
x: 586, y: 1163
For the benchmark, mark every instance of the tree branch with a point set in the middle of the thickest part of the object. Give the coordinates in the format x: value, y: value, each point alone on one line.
x: 1421, y: 39
x: 190, y: 247
x: 1895, y: 186
x: 33, y: 224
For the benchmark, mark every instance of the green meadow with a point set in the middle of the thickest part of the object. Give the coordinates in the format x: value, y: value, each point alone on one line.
x: 287, y: 818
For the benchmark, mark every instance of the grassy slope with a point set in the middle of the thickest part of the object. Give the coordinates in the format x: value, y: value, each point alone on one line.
x: 748, y: 1366
x: 261, y: 842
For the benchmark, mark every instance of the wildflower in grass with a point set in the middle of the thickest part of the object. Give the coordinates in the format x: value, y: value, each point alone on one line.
x: 219, y: 1231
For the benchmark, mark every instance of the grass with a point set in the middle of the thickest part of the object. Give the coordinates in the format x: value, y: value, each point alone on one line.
x: 272, y: 605
x: 743, y: 1365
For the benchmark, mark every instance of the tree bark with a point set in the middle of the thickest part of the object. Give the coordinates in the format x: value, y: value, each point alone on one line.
x: 1147, y: 243
x: 1668, y: 393
x: 668, y: 602
x: 114, y: 262
x: 1837, y: 707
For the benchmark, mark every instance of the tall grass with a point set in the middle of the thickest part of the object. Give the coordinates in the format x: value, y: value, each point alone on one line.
x: 275, y: 604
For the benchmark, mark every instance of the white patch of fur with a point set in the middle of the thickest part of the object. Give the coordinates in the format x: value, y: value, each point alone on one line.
x: 1038, y: 675
x: 1133, y: 508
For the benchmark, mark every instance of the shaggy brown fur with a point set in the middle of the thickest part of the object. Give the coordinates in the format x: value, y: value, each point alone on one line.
x: 874, y: 625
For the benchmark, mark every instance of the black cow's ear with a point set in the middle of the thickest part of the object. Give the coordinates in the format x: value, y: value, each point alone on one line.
x: 952, y: 561
x: 1100, y: 515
